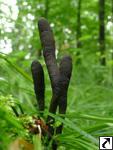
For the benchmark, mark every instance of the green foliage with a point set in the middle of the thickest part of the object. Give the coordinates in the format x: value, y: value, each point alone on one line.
x: 90, y: 97
x: 37, y: 142
x: 10, y: 125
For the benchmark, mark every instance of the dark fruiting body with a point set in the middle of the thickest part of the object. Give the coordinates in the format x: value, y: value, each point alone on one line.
x: 39, y: 86
x: 59, y: 77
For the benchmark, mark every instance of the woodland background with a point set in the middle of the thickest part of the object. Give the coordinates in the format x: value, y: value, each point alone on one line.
x: 84, y: 30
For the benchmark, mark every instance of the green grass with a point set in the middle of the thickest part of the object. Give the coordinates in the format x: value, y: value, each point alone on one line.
x: 89, y: 113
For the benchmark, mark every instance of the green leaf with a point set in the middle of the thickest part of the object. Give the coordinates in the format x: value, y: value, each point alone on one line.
x: 18, y: 69
x: 37, y: 142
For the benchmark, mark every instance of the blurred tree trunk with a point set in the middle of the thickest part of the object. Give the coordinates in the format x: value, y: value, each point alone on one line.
x: 78, y: 24
x: 112, y: 31
x: 102, y: 32
x: 78, y: 30
x: 46, y: 9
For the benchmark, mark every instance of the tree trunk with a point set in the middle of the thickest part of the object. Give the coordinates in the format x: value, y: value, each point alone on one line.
x: 78, y: 30
x: 79, y: 24
x: 46, y: 9
x: 112, y: 31
x: 102, y: 32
